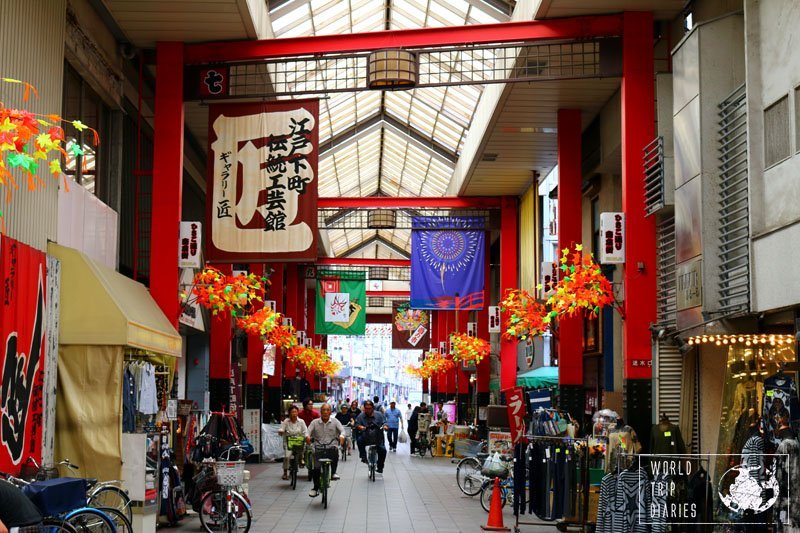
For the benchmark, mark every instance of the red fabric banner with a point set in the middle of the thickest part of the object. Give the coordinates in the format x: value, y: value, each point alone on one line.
x: 515, y: 401
x: 262, y: 186
x: 22, y: 330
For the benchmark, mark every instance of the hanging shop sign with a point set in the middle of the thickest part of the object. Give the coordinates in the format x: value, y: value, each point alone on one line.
x: 189, y: 246
x: 410, y: 327
x: 213, y: 81
x: 472, y: 329
x: 447, y: 262
x: 515, y: 401
x: 612, y: 238
x: 549, y: 278
x: 22, y: 330
x: 494, y: 319
x: 191, y: 311
x: 262, y: 188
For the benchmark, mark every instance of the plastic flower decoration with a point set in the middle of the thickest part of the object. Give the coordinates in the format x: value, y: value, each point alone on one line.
x: 219, y: 292
x: 525, y: 316
x: 433, y: 363
x: 582, y: 286
x: 284, y: 337
x: 314, y: 360
x: 28, y: 140
x: 260, y: 323
x: 468, y: 349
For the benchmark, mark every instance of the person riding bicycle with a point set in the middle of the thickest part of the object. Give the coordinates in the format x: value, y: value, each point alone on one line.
x: 16, y: 510
x: 372, y: 419
x: 292, y: 426
x: 325, y: 430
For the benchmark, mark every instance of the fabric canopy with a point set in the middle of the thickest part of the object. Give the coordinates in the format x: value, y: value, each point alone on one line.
x: 538, y: 378
x: 100, y: 306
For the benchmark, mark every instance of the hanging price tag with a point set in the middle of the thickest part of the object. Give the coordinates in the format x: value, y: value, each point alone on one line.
x: 667, y: 433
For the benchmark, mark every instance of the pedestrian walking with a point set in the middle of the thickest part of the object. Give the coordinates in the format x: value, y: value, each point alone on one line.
x: 394, y: 419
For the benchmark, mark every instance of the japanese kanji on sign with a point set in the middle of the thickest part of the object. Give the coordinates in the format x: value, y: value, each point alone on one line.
x: 262, y: 188
x: 515, y: 400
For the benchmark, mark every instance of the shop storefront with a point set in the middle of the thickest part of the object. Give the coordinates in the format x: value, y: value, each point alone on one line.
x: 110, y: 330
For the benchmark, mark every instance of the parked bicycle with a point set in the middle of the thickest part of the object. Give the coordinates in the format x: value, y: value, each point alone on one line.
x: 296, y: 446
x: 506, y: 492
x: 80, y: 519
x: 226, y: 508
x: 109, y: 494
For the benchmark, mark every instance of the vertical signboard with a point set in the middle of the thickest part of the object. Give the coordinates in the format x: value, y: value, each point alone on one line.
x: 612, y: 238
x: 262, y: 188
x: 515, y: 401
x: 22, y: 330
x: 189, y: 247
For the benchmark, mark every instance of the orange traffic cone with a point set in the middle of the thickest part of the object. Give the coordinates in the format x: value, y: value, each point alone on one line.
x: 495, y: 522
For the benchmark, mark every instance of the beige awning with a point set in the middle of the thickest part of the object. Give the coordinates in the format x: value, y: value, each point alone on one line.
x: 100, y: 306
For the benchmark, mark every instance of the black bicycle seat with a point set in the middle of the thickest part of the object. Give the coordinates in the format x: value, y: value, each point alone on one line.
x: 91, y: 482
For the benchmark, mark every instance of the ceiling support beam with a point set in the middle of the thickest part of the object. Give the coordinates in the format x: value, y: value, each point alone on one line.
x: 378, y: 240
x: 356, y: 261
x: 534, y: 30
x: 394, y: 202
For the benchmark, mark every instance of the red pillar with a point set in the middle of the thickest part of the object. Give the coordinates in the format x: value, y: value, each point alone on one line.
x: 484, y: 367
x: 276, y: 293
x: 638, y: 117
x: 434, y: 380
x: 463, y: 377
x: 167, y: 178
x: 219, y: 371
x: 509, y: 270
x: 292, y: 309
x: 442, y: 376
x: 639, y: 272
x: 255, y: 346
x: 309, y: 328
x: 570, y: 330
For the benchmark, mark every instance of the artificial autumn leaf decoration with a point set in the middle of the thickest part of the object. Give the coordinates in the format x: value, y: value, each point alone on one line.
x: 433, y: 363
x: 582, y: 286
x: 24, y: 143
x: 220, y: 292
x: 526, y: 317
x: 314, y: 360
x: 468, y: 349
x: 260, y: 323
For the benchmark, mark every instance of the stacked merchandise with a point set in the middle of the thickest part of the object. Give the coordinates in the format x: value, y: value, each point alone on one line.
x: 550, y: 422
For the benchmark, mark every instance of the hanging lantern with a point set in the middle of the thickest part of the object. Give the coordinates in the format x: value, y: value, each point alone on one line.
x: 392, y: 69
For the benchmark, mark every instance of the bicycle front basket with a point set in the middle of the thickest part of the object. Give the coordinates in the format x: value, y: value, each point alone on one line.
x: 229, y: 473
x: 293, y: 442
x: 56, y: 496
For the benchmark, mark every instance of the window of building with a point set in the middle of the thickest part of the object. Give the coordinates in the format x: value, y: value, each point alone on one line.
x: 797, y: 119
x: 83, y: 103
x: 777, y: 144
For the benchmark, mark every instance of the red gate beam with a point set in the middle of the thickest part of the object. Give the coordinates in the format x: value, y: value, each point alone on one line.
x: 410, y: 202
x: 363, y: 262
x: 505, y: 32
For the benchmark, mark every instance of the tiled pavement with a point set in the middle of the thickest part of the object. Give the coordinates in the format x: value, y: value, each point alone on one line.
x: 413, y: 495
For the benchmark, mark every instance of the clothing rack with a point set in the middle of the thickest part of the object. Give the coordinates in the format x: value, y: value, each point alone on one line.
x: 562, y: 525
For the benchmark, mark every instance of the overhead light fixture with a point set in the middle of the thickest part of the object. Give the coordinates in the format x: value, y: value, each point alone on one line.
x: 381, y: 273
x: 392, y: 69
x: 382, y: 219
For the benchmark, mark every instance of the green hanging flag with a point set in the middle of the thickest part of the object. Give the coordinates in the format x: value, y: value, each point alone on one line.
x: 341, y: 303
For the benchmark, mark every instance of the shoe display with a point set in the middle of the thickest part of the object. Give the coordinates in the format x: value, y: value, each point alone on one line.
x: 313, y: 493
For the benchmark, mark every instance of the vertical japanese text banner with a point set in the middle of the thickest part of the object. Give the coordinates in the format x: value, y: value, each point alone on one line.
x: 515, y: 400
x: 22, y: 330
x: 262, y: 188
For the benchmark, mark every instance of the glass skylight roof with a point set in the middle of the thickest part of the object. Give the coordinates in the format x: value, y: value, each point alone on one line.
x: 403, y: 143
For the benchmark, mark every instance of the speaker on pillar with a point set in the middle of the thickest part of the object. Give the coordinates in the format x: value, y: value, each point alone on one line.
x: 572, y: 399
x: 638, y: 407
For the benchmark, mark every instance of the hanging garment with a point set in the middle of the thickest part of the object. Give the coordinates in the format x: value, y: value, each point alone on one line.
x: 633, y: 501
x: 780, y: 399
x: 787, y: 507
x: 605, y: 507
x: 700, y: 496
x: 520, y: 468
x: 666, y: 439
x: 623, y: 441
x: 657, y: 513
x: 753, y: 455
x: 128, y: 402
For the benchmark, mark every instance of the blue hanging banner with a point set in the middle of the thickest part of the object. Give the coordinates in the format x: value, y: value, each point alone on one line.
x: 447, y: 262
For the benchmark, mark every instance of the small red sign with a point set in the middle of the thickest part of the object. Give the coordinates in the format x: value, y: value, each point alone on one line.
x: 213, y: 81
x: 515, y: 401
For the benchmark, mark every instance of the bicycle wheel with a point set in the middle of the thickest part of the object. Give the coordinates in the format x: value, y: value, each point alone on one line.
x: 325, y: 482
x: 91, y: 520
x: 121, y: 521
x: 214, y: 515
x: 114, y: 497
x: 293, y: 475
x: 310, y: 465
x: 486, y: 496
x: 55, y: 525
x: 468, y: 476
x: 422, y: 447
